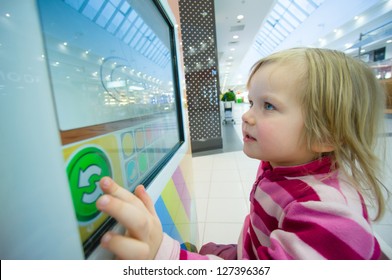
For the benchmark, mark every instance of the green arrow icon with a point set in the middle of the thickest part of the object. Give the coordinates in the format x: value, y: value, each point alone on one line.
x: 84, y: 171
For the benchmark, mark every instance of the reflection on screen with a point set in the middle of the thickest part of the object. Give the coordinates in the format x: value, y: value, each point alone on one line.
x: 108, y: 61
x: 112, y: 69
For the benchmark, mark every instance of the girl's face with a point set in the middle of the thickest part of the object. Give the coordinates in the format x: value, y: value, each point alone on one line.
x: 273, y: 126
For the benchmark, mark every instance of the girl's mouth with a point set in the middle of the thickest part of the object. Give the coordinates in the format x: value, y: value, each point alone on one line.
x: 248, y: 138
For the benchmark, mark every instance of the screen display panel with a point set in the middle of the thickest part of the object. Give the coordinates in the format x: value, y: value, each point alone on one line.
x: 113, y: 71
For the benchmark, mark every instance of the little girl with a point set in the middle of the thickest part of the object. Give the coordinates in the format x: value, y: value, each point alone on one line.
x: 313, y: 123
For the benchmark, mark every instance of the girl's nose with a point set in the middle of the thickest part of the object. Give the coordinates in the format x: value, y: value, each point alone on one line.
x: 248, y: 118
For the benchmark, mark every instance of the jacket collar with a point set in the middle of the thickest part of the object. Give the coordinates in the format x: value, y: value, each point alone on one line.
x: 319, y: 166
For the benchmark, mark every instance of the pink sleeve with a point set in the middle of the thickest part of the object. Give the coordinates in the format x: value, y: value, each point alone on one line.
x: 169, y: 249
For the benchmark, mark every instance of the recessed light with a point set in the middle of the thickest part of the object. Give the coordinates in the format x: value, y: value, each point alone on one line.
x: 236, y: 37
x: 239, y: 17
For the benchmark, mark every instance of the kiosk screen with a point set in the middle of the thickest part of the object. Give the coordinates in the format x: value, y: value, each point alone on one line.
x: 113, y: 70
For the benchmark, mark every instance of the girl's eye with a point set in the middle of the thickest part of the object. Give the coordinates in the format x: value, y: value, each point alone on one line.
x: 250, y: 103
x: 269, y: 106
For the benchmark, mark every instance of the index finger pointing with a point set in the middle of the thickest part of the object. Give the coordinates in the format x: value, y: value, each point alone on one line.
x: 109, y: 186
x: 129, y: 215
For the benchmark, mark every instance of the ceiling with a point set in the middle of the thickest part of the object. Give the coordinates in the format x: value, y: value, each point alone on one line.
x: 335, y: 24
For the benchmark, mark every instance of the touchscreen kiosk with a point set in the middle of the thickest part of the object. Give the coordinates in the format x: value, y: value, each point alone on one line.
x: 113, y: 72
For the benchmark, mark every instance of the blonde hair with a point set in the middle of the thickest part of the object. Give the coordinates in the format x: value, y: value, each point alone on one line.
x: 343, y: 106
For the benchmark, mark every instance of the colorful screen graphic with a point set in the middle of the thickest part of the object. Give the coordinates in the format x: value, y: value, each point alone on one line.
x: 114, y: 78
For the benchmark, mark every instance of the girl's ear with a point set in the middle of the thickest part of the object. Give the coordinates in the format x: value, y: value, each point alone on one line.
x: 322, y: 148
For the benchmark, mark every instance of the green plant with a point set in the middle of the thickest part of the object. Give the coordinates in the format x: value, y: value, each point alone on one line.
x: 228, y: 96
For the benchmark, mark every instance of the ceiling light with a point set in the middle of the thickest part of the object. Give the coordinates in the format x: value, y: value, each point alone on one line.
x: 236, y: 37
x: 239, y: 17
x: 348, y: 45
x: 135, y: 88
x: 389, y: 41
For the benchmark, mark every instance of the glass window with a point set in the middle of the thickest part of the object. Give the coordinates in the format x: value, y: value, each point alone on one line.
x: 125, y: 7
x: 156, y: 53
x: 308, y: 6
x: 286, y: 25
x: 148, y: 50
x: 76, y: 4
x: 106, y: 14
x: 140, y: 44
x: 291, y: 20
x: 284, y: 18
x: 138, y: 22
x: 131, y: 33
x: 135, y: 39
x: 153, y: 52
x: 115, y: 23
x: 92, y: 8
x: 274, y: 16
x: 285, y: 3
x: 317, y: 2
x: 145, y: 46
x: 297, y: 13
x: 272, y: 39
x: 276, y: 33
x: 116, y: 3
x: 123, y: 28
x: 148, y: 33
x: 143, y: 29
x: 269, y: 25
x: 279, y: 9
x: 132, y: 16
x: 280, y: 29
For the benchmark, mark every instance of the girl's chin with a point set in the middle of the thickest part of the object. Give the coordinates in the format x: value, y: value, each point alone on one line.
x: 249, y: 153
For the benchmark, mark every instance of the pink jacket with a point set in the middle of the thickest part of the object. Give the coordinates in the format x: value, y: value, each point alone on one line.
x: 298, y: 212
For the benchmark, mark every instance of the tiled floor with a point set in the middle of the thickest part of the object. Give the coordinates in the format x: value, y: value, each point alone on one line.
x: 222, y: 184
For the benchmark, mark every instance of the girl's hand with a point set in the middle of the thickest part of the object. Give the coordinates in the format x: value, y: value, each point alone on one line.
x: 137, y: 214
